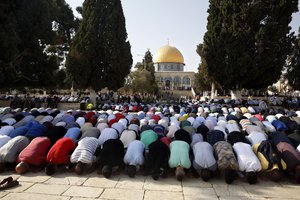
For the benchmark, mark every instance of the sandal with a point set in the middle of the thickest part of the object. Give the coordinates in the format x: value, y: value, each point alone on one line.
x: 8, y: 185
x: 8, y: 179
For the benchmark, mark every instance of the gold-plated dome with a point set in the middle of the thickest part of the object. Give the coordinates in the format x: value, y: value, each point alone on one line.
x: 168, y: 53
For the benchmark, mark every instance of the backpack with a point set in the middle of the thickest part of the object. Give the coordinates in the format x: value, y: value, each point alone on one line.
x: 270, y: 154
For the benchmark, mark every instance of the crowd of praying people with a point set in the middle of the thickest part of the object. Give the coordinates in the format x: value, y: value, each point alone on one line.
x: 202, y: 140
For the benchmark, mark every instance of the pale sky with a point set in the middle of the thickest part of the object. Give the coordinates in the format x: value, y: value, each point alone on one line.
x: 151, y: 23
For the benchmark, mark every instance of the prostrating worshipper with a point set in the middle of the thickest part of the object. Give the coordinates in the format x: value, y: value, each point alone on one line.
x: 34, y: 155
x: 247, y: 160
x: 90, y: 132
x: 59, y: 154
x: 108, y: 133
x: 55, y: 133
x: 270, y: 160
x: 226, y: 160
x: 128, y: 136
x: 147, y: 137
x: 36, y: 129
x: 10, y: 151
x: 73, y: 133
x: 157, y: 159
x: 183, y: 135
x: 179, y: 158
x: 288, y: 153
x: 204, y: 160
x: 112, y: 154
x: 84, y: 156
x: 134, y: 157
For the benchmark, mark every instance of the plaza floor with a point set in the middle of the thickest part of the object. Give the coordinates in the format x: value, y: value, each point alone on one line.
x: 69, y: 186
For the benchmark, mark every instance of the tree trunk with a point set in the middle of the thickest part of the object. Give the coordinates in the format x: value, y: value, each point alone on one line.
x: 93, y: 96
x: 236, y: 94
x: 213, y: 89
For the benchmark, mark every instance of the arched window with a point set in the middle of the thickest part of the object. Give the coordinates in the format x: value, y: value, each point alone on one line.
x: 186, y: 80
x: 177, y: 80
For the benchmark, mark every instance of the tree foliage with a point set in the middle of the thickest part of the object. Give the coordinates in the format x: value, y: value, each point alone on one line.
x: 247, y: 42
x: 293, y: 66
x: 100, y: 54
x: 143, y: 79
x: 25, y: 31
x: 202, y: 80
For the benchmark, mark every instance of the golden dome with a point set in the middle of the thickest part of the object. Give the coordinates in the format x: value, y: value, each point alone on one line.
x: 168, y: 54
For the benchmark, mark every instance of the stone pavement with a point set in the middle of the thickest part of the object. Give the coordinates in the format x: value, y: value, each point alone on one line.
x: 69, y: 186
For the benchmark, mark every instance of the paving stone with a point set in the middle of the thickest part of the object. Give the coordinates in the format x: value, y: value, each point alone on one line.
x: 131, y: 183
x: 150, y: 195
x: 2, y: 194
x: 195, y: 182
x: 292, y: 192
x: 21, y: 187
x: 199, y: 192
x: 47, y: 189
x: 231, y: 190
x: 30, y: 196
x: 236, y: 198
x: 69, y: 180
x: 267, y: 192
x: 34, y: 177
x: 200, y: 198
x: 116, y: 193
x: 81, y: 191
x: 101, y: 182
x: 80, y: 198
x: 165, y: 184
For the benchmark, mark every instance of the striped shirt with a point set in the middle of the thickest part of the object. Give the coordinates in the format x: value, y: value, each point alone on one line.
x: 9, y: 152
x: 85, y: 150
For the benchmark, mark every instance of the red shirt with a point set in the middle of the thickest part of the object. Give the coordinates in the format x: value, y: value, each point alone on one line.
x: 60, y: 151
x: 166, y: 141
x: 35, y: 152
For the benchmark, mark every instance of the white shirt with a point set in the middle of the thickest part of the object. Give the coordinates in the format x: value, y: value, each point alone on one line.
x: 196, y: 137
x: 172, y: 129
x: 204, y: 155
x: 102, y: 126
x: 256, y: 137
x: 209, y: 124
x: 247, y: 160
x: 127, y: 137
x: 135, y: 153
x: 232, y: 127
x: 253, y: 128
x: 80, y: 121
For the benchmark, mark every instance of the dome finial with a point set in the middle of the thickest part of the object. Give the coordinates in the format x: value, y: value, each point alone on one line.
x: 168, y: 41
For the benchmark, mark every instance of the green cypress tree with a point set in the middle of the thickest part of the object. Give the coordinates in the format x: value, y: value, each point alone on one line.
x: 247, y: 41
x: 100, y: 54
x: 293, y: 66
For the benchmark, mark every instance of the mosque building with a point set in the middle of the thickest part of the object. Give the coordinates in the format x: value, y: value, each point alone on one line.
x: 169, y: 70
